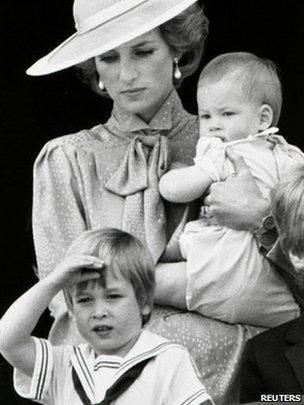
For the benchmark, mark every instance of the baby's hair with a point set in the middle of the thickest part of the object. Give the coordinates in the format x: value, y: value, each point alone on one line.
x: 124, y: 255
x: 288, y: 211
x: 259, y: 77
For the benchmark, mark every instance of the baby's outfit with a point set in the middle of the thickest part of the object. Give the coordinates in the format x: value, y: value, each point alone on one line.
x: 155, y: 371
x: 227, y: 277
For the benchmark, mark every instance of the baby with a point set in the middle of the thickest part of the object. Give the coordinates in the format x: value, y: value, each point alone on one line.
x: 108, y: 278
x: 239, y: 100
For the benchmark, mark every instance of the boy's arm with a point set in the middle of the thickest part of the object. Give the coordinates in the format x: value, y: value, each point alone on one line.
x: 16, y: 343
x: 184, y: 185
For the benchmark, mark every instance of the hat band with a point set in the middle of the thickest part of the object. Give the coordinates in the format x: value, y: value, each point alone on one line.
x: 106, y: 15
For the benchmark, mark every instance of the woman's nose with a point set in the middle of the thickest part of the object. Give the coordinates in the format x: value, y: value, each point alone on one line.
x: 127, y: 70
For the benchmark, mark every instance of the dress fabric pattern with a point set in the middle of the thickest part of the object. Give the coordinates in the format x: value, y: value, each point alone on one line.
x: 73, y: 179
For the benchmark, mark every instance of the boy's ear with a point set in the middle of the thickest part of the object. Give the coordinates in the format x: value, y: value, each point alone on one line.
x: 68, y: 300
x: 297, y: 262
x: 266, y: 117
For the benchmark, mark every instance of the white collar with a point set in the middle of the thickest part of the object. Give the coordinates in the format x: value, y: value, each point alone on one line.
x: 84, y: 360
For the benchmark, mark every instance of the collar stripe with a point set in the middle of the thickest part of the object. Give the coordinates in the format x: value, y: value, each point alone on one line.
x: 201, y: 392
x: 107, y: 363
x: 105, y: 366
x: 84, y: 369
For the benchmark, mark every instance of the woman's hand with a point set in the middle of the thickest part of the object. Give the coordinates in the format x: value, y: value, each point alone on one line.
x: 236, y: 202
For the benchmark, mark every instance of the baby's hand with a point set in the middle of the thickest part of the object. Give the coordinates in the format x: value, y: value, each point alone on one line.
x: 75, y: 269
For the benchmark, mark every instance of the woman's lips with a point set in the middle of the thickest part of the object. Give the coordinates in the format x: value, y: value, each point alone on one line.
x: 133, y: 92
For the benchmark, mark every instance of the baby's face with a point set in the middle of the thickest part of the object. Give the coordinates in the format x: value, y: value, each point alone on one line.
x: 225, y: 112
x: 107, y: 314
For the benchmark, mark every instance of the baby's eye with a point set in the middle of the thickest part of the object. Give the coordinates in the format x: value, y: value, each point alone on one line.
x: 205, y: 116
x: 228, y: 113
x: 112, y: 297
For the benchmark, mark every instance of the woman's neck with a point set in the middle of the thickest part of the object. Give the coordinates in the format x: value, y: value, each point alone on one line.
x: 150, y: 112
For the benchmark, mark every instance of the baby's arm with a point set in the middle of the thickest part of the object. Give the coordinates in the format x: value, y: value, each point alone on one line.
x: 16, y: 343
x: 184, y: 185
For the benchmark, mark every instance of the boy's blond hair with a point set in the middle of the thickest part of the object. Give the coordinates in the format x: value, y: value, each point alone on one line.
x: 123, y: 254
x: 258, y: 76
x: 288, y: 211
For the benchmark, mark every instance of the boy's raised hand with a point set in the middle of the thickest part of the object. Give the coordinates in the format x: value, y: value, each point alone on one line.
x: 74, y: 269
x: 16, y: 343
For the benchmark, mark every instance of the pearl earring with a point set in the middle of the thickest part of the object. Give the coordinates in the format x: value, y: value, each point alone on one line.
x: 101, y: 85
x: 177, y: 74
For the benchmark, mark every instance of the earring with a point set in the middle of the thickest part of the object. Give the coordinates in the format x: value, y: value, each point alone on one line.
x: 177, y: 74
x: 101, y: 85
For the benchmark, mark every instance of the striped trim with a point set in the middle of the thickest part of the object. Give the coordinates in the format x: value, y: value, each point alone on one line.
x: 101, y: 365
x: 84, y: 370
x: 200, y: 393
x: 43, y: 359
x: 106, y: 363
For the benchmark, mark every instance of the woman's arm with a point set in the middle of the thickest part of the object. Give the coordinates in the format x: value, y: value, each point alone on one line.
x: 236, y: 202
x: 184, y: 185
x: 58, y: 212
x: 16, y: 343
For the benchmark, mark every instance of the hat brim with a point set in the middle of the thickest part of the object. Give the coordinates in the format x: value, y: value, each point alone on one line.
x: 81, y: 47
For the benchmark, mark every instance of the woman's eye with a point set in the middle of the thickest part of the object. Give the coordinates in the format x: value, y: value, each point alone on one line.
x: 108, y: 58
x: 143, y: 52
x: 228, y: 113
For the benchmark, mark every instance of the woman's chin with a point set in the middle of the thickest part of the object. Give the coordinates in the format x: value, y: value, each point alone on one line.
x: 140, y: 108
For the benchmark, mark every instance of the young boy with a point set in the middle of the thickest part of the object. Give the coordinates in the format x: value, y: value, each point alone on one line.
x: 274, y: 360
x: 239, y: 99
x: 108, y: 277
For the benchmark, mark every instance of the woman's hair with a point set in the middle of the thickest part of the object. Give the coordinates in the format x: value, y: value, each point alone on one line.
x: 258, y: 76
x: 185, y: 34
x: 288, y: 211
x: 123, y: 255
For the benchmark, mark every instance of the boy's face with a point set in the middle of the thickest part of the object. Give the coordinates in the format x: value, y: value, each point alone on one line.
x: 225, y: 112
x: 108, y: 317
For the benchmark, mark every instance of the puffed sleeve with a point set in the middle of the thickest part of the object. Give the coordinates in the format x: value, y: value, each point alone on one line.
x: 287, y: 156
x: 210, y: 157
x: 186, y: 386
x: 58, y: 212
x: 51, y: 374
x: 36, y: 387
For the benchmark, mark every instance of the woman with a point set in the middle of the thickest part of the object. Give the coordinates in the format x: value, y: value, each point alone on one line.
x: 108, y: 175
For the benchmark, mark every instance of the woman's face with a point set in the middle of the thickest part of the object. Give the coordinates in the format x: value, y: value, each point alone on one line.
x: 138, y: 75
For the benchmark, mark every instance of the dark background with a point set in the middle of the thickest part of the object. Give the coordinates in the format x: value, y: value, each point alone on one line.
x: 35, y: 110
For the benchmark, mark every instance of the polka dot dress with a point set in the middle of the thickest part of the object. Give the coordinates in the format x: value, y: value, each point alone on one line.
x: 108, y: 177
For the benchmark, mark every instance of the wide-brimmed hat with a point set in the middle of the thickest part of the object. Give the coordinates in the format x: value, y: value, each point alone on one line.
x: 105, y: 24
